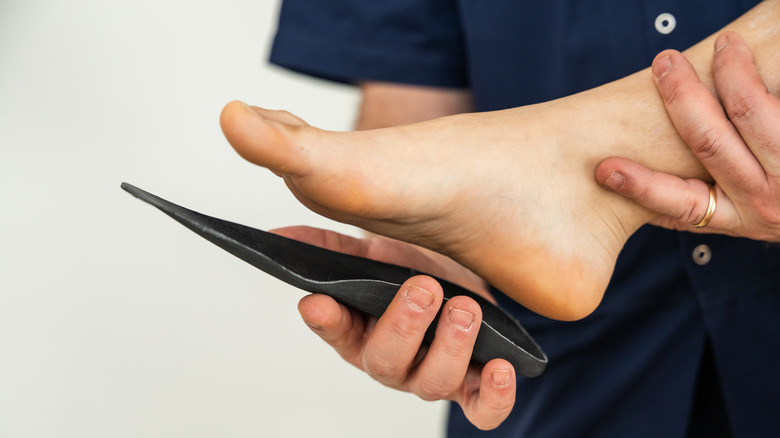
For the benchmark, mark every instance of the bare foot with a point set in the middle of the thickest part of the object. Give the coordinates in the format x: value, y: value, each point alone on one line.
x: 508, y: 194
x: 529, y: 219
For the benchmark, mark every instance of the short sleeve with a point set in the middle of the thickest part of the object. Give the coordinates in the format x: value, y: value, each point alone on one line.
x: 403, y: 41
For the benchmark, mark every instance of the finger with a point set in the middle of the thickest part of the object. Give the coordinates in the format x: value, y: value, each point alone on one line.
x: 444, y: 367
x: 684, y: 201
x: 342, y: 328
x: 376, y: 248
x: 701, y: 122
x: 390, y: 350
x: 330, y: 240
x: 388, y: 250
x: 491, y: 401
x: 747, y: 101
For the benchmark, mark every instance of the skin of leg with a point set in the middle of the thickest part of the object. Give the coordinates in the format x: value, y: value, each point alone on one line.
x: 737, y: 139
x: 509, y: 194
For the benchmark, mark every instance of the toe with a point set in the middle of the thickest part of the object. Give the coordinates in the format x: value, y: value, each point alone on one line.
x: 266, y: 138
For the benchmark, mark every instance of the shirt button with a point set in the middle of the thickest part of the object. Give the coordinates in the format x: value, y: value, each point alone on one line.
x: 702, y: 255
x: 665, y: 23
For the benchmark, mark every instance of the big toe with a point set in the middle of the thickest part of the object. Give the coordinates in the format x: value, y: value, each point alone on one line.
x: 264, y: 137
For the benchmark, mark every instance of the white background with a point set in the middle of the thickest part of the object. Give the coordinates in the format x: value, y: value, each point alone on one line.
x: 116, y: 321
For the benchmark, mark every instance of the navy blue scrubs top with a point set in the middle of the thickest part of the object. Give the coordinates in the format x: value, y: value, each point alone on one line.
x: 687, y: 339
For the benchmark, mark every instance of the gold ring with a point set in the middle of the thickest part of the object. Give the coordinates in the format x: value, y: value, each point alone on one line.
x: 710, y: 209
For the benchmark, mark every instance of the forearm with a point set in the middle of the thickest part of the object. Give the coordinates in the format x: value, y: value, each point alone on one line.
x: 385, y: 104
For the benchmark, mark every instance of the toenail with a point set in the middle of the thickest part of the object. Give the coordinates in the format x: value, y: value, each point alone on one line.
x: 461, y: 318
x: 248, y: 108
x: 418, y: 298
x: 615, y: 180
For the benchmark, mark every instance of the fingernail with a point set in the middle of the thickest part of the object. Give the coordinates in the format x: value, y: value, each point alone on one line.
x: 721, y: 42
x: 315, y: 327
x: 418, y: 298
x: 461, y: 318
x: 661, y: 66
x: 501, y: 377
x: 615, y: 180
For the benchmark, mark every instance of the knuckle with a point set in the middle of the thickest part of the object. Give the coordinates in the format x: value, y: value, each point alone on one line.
x: 672, y: 91
x: 401, y: 328
x: 432, y: 390
x: 705, y: 141
x: 458, y: 349
x: 381, y: 369
x: 769, y: 213
x: 642, y: 195
x: 688, y: 214
x: 499, y: 405
x: 743, y: 108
